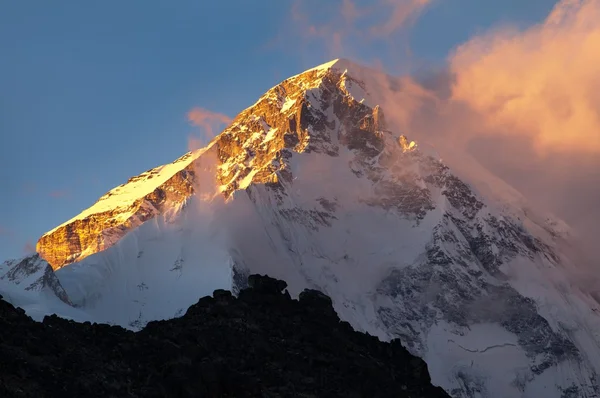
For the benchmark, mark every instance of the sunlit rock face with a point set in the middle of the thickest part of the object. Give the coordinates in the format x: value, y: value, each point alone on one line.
x: 256, y: 148
x: 117, y: 212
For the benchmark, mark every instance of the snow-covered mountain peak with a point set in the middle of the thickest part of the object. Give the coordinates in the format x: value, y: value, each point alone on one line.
x: 341, y: 65
x: 319, y: 190
x: 294, y: 116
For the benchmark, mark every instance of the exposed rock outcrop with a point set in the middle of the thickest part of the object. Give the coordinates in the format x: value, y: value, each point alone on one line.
x: 94, y: 231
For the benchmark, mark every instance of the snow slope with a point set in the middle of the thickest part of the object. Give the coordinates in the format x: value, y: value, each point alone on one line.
x: 31, y: 284
x: 316, y: 190
x: 155, y: 272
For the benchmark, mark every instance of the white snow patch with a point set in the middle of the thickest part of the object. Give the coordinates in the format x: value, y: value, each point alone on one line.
x: 270, y: 134
x: 288, y: 104
x: 155, y: 272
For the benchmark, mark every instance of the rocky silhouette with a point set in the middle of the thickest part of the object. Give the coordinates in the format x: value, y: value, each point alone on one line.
x: 262, y: 343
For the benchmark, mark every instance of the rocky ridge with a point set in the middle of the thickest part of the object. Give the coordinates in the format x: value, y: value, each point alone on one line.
x: 111, y: 217
x: 260, y: 344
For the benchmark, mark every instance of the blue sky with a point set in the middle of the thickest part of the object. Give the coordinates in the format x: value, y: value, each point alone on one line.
x: 92, y: 93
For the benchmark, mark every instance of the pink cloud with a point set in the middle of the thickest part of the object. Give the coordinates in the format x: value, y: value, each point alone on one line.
x: 208, y: 121
x: 534, y: 102
x: 542, y: 83
x: 401, y: 14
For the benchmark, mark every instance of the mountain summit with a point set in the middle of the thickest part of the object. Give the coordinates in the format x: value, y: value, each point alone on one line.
x: 277, y: 121
x: 312, y: 186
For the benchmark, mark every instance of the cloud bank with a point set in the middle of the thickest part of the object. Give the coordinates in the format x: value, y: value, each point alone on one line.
x: 542, y: 83
x: 535, y: 95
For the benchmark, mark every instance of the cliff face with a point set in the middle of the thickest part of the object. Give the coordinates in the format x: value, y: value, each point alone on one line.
x: 296, y: 117
x: 261, y: 344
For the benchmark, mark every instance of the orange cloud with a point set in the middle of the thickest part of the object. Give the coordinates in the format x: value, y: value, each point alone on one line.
x: 540, y: 84
x: 207, y: 120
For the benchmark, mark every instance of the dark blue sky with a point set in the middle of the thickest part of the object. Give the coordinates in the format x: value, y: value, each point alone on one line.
x: 92, y: 93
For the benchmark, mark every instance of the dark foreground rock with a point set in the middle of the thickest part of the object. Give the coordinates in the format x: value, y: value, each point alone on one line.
x: 261, y: 344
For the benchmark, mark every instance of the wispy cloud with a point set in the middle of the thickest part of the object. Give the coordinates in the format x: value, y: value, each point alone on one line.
x: 209, y: 122
x: 401, y: 13
x: 352, y: 26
